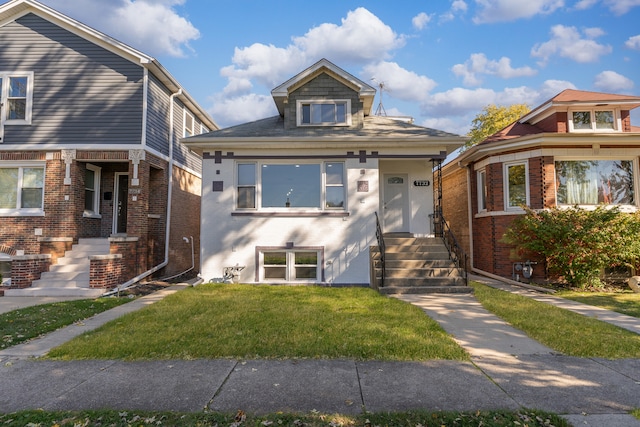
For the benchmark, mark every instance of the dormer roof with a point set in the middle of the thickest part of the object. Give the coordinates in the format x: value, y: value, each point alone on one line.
x: 365, y: 91
x: 571, y: 98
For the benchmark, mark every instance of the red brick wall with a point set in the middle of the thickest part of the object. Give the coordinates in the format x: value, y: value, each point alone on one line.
x: 455, y: 207
x: 626, y: 120
x: 105, y: 271
x: 27, y: 268
x: 128, y: 248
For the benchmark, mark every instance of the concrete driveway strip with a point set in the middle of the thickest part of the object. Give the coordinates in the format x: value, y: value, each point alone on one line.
x: 84, y: 385
x: 563, y: 384
x: 267, y: 386
x: 480, y: 332
x: 436, y: 385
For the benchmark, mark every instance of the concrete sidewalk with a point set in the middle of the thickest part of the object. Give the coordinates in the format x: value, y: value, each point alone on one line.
x: 507, y: 371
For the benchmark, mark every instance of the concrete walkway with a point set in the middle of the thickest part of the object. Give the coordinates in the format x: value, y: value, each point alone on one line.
x: 507, y: 371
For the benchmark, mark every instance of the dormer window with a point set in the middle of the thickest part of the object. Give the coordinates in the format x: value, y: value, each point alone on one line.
x: 596, y: 120
x: 324, y: 113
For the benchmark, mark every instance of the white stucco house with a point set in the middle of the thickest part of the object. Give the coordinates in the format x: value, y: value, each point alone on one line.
x: 293, y: 198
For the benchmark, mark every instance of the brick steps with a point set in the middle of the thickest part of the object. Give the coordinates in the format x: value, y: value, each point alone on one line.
x: 70, y: 276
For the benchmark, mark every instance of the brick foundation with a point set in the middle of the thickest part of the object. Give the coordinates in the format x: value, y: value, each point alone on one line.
x: 105, y: 271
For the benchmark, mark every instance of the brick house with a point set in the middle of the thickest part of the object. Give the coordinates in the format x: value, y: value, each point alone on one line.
x: 90, y: 160
x: 293, y: 198
x: 578, y: 148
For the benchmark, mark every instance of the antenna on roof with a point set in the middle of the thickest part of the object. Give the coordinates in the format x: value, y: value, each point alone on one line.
x: 380, y: 111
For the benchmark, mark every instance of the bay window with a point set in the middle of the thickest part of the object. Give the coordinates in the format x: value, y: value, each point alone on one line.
x: 594, y: 182
x: 516, y: 185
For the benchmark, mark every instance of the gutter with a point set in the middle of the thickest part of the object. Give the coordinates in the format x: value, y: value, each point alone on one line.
x: 169, y: 194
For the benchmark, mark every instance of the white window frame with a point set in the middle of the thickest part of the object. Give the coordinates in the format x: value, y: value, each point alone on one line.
x: 24, y: 211
x: 300, y: 103
x: 482, y: 190
x: 617, y: 121
x: 290, y: 266
x: 636, y: 180
x: 4, y: 97
x: 323, y: 187
x: 188, y: 131
x: 95, y: 213
x: 506, y: 166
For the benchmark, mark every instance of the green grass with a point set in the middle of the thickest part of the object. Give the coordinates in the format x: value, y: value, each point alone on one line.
x: 627, y: 302
x: 562, y: 330
x: 249, y: 321
x: 522, y: 417
x: 21, y: 325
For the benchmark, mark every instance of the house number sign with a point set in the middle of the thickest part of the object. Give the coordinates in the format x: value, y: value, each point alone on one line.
x: 421, y: 183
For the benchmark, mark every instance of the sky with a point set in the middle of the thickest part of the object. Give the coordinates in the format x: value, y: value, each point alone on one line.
x: 439, y: 61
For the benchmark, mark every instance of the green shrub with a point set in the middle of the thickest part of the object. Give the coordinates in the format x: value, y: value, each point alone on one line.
x: 578, y: 244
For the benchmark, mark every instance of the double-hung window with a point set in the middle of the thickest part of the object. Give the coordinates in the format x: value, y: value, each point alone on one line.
x: 21, y: 189
x: 16, y: 92
x: 516, y: 185
x: 301, y: 265
x: 482, y: 190
x: 92, y: 191
x: 291, y: 186
x: 595, y: 120
x: 324, y: 113
x: 594, y: 182
x: 188, y: 124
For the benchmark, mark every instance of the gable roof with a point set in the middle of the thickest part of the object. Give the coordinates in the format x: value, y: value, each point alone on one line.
x: 15, y: 9
x: 366, y: 92
x: 571, y: 98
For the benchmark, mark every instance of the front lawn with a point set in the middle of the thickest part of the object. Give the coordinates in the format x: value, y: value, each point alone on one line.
x: 249, y: 321
x: 21, y: 325
x: 562, y: 330
x: 627, y: 302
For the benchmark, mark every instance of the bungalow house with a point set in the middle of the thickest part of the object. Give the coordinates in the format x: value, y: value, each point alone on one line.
x: 578, y: 148
x: 95, y: 187
x: 294, y: 198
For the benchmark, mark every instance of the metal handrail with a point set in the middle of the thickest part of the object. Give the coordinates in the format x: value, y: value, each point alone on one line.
x: 456, y: 253
x: 382, y: 247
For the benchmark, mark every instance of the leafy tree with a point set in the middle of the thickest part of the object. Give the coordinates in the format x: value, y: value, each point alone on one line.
x: 492, y: 119
x: 578, y: 244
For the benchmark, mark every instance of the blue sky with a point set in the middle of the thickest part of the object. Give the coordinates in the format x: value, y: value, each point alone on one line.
x: 440, y: 61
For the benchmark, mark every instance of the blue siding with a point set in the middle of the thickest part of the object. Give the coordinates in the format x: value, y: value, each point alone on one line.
x: 158, y: 116
x: 83, y: 94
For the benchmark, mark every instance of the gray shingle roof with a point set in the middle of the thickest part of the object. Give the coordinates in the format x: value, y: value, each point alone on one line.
x: 374, y: 127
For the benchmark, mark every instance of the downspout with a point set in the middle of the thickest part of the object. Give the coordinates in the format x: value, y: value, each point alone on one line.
x: 169, y: 194
x: 470, y: 215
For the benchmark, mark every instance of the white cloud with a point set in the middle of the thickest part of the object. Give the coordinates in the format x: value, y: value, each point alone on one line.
x: 511, y: 10
x: 568, y: 43
x: 633, y: 42
x: 551, y: 88
x: 351, y: 42
x: 421, y: 20
x: 154, y: 27
x: 479, y: 64
x: 610, y: 81
x: 229, y: 111
x: 585, y: 4
x: 620, y: 7
x: 399, y: 83
x: 457, y: 7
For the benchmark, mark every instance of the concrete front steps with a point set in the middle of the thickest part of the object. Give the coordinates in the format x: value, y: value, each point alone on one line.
x: 417, y: 265
x: 70, y: 276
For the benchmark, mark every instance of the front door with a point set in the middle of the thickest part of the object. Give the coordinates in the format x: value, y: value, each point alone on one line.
x: 120, y: 203
x: 395, y: 203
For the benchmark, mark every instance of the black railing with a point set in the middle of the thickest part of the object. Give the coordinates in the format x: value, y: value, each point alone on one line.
x: 456, y: 253
x: 382, y: 248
